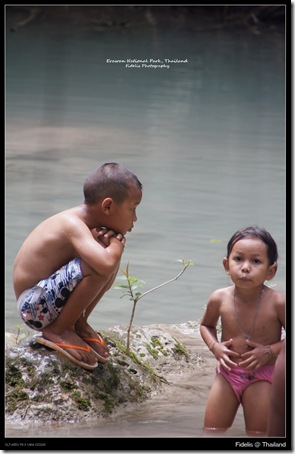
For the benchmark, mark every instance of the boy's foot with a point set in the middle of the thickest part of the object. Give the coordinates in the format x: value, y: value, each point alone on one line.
x: 73, y: 346
x: 95, y: 344
x: 95, y: 341
x: 63, y: 349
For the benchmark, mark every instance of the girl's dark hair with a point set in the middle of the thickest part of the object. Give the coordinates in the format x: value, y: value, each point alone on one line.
x: 258, y: 232
x: 109, y: 180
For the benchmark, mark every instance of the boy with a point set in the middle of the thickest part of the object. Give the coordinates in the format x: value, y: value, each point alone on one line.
x: 71, y: 259
x: 252, y: 316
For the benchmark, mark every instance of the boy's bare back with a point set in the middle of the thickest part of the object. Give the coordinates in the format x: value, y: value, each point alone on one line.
x: 50, y: 245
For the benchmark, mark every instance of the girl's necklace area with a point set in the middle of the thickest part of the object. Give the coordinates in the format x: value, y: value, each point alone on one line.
x: 247, y: 336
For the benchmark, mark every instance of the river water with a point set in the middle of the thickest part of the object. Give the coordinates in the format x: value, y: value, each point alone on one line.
x: 206, y: 137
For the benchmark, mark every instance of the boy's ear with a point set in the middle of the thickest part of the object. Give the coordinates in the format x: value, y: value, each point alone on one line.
x: 106, y: 205
x: 225, y: 264
x: 272, y: 269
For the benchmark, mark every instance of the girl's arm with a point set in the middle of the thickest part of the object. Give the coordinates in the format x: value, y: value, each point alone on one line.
x: 209, y: 321
x: 208, y: 330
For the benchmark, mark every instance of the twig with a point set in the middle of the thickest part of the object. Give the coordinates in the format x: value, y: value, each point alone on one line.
x: 137, y: 298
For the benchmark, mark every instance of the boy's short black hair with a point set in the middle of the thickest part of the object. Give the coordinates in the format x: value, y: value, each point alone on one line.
x: 261, y: 234
x: 109, y: 180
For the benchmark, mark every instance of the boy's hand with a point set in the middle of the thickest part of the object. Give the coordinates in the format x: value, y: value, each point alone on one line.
x: 98, y: 235
x: 103, y: 236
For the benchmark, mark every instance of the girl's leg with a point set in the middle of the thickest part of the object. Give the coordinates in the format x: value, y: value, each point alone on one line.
x: 222, y: 406
x: 255, y: 402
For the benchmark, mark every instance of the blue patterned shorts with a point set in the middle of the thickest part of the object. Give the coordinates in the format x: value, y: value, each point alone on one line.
x: 39, y: 306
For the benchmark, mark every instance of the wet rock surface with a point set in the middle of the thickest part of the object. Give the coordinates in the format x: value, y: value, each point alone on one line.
x: 42, y: 385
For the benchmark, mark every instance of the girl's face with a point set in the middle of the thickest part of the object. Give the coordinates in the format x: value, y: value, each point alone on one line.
x: 248, y: 264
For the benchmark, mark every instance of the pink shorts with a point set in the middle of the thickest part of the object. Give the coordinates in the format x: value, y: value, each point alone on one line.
x: 240, y: 378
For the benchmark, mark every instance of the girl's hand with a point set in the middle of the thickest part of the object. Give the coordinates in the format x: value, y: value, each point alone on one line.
x: 255, y: 358
x: 222, y: 354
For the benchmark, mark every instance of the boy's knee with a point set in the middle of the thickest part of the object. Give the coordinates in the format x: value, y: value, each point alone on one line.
x: 89, y: 272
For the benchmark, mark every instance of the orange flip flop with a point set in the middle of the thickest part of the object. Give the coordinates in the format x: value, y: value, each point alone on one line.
x: 99, y: 341
x: 59, y: 347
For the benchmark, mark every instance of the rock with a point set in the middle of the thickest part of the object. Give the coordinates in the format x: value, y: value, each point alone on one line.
x: 43, y: 385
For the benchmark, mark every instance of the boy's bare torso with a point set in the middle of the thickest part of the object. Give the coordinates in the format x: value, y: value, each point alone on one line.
x: 49, y: 247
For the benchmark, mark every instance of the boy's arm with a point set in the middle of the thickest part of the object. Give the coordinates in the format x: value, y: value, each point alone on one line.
x: 103, y: 258
x: 280, y: 305
x: 103, y: 235
x: 276, y: 419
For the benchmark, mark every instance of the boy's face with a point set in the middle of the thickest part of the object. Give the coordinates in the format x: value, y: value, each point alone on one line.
x: 248, y: 263
x: 122, y: 216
